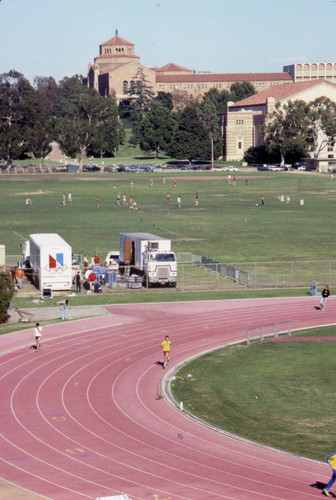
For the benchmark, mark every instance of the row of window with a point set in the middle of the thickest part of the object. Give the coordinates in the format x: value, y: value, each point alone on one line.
x: 109, y: 51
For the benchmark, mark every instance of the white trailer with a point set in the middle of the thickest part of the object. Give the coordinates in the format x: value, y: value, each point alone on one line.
x: 149, y: 255
x: 51, y: 261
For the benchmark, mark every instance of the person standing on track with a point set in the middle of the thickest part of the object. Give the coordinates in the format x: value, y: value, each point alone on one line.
x: 166, y: 350
x: 38, y: 332
x: 324, y: 298
x: 331, y: 461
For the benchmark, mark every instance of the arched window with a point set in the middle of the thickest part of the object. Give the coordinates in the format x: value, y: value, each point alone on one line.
x: 132, y: 86
x: 125, y: 86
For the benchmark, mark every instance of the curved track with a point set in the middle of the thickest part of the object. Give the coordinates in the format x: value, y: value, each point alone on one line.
x: 84, y: 417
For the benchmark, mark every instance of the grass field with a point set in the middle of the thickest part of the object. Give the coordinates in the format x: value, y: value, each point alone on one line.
x: 279, y: 394
x: 227, y: 226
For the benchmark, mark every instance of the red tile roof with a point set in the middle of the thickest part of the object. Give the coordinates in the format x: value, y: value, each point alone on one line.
x: 279, y: 92
x: 117, y: 40
x: 171, y: 67
x: 224, y: 77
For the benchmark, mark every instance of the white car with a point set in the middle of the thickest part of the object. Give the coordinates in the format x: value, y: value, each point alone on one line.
x: 112, y: 260
x: 233, y: 169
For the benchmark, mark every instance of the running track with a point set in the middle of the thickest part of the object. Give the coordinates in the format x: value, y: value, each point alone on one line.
x: 83, y: 417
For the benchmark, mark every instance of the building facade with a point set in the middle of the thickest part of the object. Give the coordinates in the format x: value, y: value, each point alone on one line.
x: 117, y: 70
x: 244, y: 120
x: 311, y: 71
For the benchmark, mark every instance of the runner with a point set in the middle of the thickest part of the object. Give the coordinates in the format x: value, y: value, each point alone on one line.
x: 166, y: 350
x: 331, y: 461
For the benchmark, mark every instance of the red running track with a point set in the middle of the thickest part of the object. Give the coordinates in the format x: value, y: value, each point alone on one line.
x: 84, y: 417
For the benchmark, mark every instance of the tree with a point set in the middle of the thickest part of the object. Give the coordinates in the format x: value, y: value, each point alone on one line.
x: 241, y: 90
x: 259, y: 155
x: 219, y: 98
x: 190, y: 139
x: 141, y: 95
x: 208, y: 113
x: 156, y: 129
x: 288, y: 131
x: 322, y: 114
x: 164, y: 99
x: 85, y: 119
x: 47, y: 90
x: 6, y: 294
x: 21, y: 114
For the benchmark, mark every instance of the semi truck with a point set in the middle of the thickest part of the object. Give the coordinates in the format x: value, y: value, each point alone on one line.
x: 150, y: 256
x: 50, y: 259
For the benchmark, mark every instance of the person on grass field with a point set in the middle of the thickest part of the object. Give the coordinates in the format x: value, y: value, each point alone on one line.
x: 166, y: 350
x: 331, y: 461
x: 325, y: 295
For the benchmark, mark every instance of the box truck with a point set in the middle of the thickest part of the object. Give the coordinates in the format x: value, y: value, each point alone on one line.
x: 149, y: 256
x: 50, y: 261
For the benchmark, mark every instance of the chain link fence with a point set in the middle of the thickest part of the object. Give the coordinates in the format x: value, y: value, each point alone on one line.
x: 198, y: 272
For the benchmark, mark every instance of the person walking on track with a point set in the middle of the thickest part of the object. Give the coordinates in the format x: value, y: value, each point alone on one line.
x: 38, y: 332
x: 324, y: 298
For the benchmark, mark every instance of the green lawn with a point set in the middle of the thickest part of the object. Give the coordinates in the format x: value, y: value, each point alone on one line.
x: 279, y: 394
x: 227, y: 226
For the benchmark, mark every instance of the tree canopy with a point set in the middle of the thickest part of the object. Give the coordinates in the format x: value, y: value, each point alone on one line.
x: 23, y: 118
x: 85, y: 119
x: 190, y: 139
x: 288, y: 131
x: 156, y: 129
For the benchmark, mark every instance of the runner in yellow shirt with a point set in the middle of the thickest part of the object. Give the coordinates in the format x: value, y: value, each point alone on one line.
x: 166, y: 350
x: 331, y: 461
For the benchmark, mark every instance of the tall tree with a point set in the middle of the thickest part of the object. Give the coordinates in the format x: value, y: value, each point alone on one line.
x: 85, y: 119
x: 190, y: 139
x: 156, y: 129
x: 20, y: 112
x: 141, y: 93
x: 288, y: 130
x: 208, y: 113
x: 47, y: 90
x: 322, y: 114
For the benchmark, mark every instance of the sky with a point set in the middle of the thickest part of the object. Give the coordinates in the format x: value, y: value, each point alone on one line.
x: 60, y: 38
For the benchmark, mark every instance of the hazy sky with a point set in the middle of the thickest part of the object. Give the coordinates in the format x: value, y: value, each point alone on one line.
x: 59, y: 38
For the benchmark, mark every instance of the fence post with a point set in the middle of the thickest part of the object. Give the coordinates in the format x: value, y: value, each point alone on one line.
x: 216, y: 275
x: 182, y: 277
x: 255, y: 275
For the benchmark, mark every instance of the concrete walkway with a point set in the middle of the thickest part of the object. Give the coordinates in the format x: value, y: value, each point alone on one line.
x: 37, y: 314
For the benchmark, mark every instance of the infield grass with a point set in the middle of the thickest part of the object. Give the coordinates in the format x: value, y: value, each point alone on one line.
x: 277, y: 393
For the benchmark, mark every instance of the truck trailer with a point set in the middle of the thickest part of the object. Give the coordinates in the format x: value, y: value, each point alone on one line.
x: 150, y: 256
x: 50, y: 262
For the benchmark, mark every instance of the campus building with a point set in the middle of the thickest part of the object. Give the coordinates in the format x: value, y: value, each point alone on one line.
x: 311, y: 71
x: 118, y: 70
x: 244, y: 120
